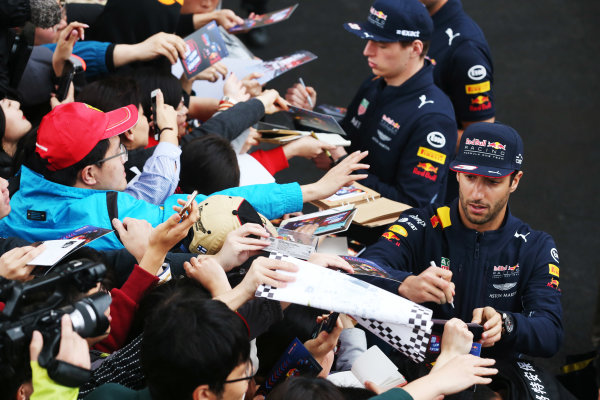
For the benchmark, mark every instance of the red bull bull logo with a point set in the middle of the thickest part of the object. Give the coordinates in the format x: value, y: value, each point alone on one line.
x: 435, y: 220
x: 497, y: 145
x: 553, y: 284
x: 427, y: 167
x: 480, y: 103
x: 391, y: 238
x: 480, y: 100
x: 378, y: 14
x: 426, y: 170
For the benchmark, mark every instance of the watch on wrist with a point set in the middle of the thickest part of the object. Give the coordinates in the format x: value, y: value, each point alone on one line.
x: 508, y: 324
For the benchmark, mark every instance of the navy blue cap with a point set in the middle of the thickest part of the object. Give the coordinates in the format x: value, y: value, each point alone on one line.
x: 394, y: 21
x: 492, y: 150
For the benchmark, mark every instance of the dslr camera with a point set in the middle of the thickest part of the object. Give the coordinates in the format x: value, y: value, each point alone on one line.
x: 40, y: 304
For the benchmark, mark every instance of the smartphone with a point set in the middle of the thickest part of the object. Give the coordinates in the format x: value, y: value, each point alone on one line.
x: 65, y: 80
x: 326, y: 325
x: 188, y: 205
x: 153, y: 99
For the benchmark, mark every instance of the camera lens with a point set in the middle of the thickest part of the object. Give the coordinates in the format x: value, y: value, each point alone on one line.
x: 87, y: 315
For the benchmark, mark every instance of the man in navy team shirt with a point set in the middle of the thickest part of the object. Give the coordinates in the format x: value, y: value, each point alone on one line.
x: 474, y: 253
x: 398, y: 114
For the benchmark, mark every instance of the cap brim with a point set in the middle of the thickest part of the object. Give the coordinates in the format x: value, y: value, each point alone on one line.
x: 361, y: 30
x: 489, y: 172
x: 120, y: 120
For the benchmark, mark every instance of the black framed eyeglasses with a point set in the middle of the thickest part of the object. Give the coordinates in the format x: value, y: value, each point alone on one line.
x: 122, y: 153
x: 249, y: 375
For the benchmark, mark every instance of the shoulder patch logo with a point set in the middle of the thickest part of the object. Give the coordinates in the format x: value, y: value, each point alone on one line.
x: 477, y: 72
x: 554, y: 254
x: 431, y: 155
x: 436, y: 139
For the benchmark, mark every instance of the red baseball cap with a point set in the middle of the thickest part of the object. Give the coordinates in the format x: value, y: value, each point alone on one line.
x: 70, y: 131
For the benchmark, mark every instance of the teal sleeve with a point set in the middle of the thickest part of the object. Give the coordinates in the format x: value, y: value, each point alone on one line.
x: 393, y: 394
x: 93, y: 53
x: 271, y: 200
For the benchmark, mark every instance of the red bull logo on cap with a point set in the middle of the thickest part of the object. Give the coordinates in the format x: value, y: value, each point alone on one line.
x: 475, y: 142
x: 497, y: 145
x: 378, y: 14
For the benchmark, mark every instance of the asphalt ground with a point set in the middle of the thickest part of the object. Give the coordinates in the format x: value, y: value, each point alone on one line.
x: 546, y: 87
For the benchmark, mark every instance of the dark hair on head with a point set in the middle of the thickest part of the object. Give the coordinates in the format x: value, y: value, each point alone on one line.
x: 353, y: 393
x: 45, y: 13
x: 302, y: 388
x: 111, y: 93
x: 66, y: 176
x: 298, y: 322
x: 14, y: 374
x: 150, y: 77
x: 190, y: 341
x: 512, y: 176
x: 208, y: 165
x: 426, y: 44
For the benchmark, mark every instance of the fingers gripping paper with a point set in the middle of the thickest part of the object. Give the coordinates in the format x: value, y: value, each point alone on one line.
x: 400, y: 322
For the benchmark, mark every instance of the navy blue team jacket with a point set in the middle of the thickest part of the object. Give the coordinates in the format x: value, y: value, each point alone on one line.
x: 463, y: 64
x: 513, y: 269
x: 410, y: 133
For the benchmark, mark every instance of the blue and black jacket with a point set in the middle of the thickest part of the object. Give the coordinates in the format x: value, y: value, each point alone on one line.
x: 514, y: 269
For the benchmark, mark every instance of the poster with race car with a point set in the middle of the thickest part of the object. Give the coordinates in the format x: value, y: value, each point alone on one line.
x: 265, y: 19
x: 204, y: 48
x: 277, y: 66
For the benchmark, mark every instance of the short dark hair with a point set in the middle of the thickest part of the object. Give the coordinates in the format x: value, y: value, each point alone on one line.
x: 150, y: 77
x: 512, y: 176
x: 191, y: 341
x: 302, y: 388
x: 426, y: 44
x: 208, y: 165
x: 111, y: 93
x: 66, y: 176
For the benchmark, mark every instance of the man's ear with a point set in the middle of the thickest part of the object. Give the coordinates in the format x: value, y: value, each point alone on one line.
x: 128, y: 136
x: 203, y: 392
x: 86, y: 175
x: 24, y: 391
x: 417, y: 47
x: 515, y: 182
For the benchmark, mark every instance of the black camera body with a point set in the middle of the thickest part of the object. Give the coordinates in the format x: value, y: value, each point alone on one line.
x: 24, y: 312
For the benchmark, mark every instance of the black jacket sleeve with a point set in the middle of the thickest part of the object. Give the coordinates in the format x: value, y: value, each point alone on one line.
x: 230, y: 123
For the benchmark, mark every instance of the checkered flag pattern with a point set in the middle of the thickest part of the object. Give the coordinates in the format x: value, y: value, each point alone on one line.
x: 403, y: 324
x: 266, y: 290
x: 410, y: 340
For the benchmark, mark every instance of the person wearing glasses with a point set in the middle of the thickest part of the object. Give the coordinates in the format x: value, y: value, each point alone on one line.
x: 74, y: 173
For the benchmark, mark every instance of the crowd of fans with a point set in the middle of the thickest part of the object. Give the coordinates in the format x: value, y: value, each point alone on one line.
x: 184, y: 322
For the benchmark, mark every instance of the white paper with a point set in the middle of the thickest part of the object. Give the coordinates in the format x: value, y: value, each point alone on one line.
x: 345, y: 379
x: 400, y: 322
x: 376, y: 367
x: 324, y: 288
x: 55, y: 251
